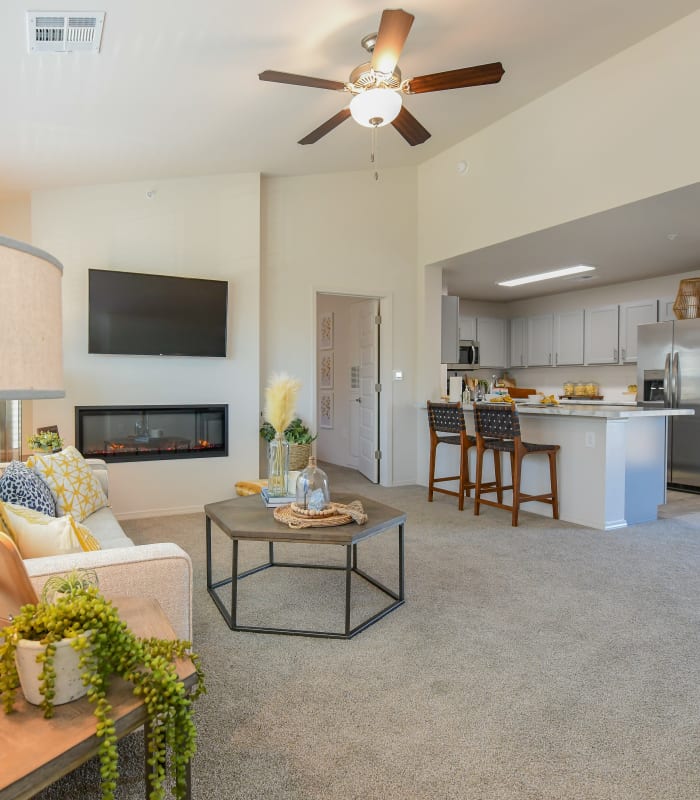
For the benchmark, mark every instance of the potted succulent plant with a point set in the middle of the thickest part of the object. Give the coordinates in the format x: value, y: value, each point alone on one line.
x: 45, y: 442
x: 82, y: 621
x: 299, y: 437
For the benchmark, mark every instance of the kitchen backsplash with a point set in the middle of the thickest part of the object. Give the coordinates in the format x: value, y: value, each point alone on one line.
x: 612, y: 379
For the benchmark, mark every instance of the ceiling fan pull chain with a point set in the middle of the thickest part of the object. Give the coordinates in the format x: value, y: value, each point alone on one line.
x: 372, y: 157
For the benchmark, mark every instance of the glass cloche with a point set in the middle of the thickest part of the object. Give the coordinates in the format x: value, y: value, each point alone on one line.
x: 312, y: 488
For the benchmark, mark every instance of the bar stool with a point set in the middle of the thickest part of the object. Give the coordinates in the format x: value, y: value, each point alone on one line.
x: 498, y: 430
x: 448, y: 418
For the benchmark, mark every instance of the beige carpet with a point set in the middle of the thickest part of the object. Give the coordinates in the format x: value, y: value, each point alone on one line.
x: 544, y: 662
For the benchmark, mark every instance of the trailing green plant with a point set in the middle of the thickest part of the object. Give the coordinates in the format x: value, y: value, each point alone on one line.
x: 295, y: 433
x: 111, y: 649
x: 47, y: 440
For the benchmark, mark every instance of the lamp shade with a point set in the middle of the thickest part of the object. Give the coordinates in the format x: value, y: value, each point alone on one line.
x: 31, y: 344
x: 375, y: 108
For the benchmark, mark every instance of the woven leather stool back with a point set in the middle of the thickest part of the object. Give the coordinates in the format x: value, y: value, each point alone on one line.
x: 446, y: 417
x: 496, y: 421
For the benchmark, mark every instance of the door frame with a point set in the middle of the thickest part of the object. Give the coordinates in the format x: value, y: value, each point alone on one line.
x: 386, y: 399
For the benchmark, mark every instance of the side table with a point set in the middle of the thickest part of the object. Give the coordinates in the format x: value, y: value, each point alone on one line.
x: 37, y: 751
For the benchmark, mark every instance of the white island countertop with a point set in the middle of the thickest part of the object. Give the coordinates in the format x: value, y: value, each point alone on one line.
x: 611, y: 464
x: 601, y: 410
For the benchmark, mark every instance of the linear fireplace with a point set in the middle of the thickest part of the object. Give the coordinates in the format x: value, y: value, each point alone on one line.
x: 149, y: 433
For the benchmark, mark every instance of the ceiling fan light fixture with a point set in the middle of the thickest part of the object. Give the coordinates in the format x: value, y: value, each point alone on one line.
x: 375, y: 108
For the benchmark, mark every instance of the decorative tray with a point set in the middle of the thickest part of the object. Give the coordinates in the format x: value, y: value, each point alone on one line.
x: 335, y: 514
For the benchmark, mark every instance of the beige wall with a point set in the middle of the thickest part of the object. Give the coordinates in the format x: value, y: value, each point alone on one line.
x: 346, y: 234
x: 199, y: 227
x: 16, y: 217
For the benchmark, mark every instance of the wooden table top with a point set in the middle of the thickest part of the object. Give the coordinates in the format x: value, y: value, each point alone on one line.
x: 37, y: 751
x: 249, y: 518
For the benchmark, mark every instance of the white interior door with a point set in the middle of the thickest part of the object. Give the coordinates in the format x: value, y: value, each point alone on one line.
x: 367, y: 447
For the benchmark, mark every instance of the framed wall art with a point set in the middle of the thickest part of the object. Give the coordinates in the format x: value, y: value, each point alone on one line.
x: 326, y: 369
x: 325, y: 337
x: 326, y: 409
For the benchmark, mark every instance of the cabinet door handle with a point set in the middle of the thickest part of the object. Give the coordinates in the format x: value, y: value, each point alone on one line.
x: 624, y: 353
x: 614, y: 353
x: 556, y: 359
x: 549, y: 359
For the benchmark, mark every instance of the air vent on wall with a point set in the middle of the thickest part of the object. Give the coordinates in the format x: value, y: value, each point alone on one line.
x: 64, y: 31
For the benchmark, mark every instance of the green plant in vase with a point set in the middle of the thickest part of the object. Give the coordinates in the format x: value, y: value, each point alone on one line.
x: 107, y: 647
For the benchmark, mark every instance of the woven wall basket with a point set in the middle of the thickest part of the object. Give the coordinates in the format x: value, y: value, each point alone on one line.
x: 299, y: 455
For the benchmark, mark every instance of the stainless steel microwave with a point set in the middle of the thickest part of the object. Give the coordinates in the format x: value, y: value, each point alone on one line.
x: 468, y: 355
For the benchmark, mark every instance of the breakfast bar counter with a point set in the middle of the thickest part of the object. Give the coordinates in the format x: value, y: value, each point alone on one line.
x: 611, y: 465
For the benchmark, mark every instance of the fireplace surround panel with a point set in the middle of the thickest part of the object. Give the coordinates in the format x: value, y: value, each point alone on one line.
x: 149, y: 433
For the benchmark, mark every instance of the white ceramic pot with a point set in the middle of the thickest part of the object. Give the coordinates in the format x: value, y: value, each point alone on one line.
x: 69, y: 685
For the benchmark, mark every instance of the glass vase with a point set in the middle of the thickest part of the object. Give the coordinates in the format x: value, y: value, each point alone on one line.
x: 278, y: 466
x: 312, y: 490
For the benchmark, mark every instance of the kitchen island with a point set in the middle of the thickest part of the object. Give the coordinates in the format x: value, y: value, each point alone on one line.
x: 611, y: 467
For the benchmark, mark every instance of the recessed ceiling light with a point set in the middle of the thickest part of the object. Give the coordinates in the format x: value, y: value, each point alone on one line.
x: 545, y: 276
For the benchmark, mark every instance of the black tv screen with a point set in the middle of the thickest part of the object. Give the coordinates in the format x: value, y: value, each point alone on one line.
x: 136, y: 314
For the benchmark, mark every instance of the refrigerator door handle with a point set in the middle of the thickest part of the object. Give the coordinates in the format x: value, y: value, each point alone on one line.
x: 668, y: 389
x: 676, y: 398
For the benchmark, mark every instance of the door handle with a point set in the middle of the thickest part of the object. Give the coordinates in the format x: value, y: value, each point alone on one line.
x: 358, y: 399
x: 676, y: 382
x: 668, y: 389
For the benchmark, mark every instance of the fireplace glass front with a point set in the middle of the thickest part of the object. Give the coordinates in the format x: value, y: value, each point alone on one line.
x: 148, y: 433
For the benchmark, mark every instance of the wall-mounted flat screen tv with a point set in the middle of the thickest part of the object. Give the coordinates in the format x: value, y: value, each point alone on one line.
x: 132, y: 313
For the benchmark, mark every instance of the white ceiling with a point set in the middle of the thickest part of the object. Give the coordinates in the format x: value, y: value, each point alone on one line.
x: 174, y: 90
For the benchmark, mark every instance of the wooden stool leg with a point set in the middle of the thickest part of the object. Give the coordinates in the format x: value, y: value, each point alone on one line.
x: 431, y: 473
x: 553, y: 479
x: 517, y: 470
x: 463, y: 467
x: 497, y: 473
x: 477, y: 488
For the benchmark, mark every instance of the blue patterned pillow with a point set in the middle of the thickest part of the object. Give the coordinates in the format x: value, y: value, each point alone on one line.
x: 22, y: 486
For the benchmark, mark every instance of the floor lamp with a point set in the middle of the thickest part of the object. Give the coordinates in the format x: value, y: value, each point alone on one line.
x: 31, y: 363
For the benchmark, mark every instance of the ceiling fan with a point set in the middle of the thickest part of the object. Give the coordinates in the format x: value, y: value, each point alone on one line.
x: 377, y: 85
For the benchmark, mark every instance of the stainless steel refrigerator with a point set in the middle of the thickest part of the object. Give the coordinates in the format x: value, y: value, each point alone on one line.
x: 668, y: 375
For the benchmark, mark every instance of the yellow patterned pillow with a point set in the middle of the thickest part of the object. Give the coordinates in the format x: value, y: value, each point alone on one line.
x: 37, y: 534
x: 73, y: 484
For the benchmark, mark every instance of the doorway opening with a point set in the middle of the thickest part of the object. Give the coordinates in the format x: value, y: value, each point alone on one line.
x: 350, y: 408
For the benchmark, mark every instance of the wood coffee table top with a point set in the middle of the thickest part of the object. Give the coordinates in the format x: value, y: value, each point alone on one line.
x: 248, y: 518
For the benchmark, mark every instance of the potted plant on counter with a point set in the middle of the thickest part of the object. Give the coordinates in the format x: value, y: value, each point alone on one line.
x: 84, y: 624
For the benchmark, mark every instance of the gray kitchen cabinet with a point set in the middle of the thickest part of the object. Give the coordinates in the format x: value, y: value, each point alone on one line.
x: 518, y: 342
x: 491, y: 335
x: 540, y: 340
x: 450, y: 330
x: 631, y: 316
x: 568, y: 338
x: 602, y: 335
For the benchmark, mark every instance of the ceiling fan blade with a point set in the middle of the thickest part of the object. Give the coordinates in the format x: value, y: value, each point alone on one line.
x: 409, y: 127
x: 457, y: 78
x: 327, y: 127
x: 393, y: 31
x: 300, y: 80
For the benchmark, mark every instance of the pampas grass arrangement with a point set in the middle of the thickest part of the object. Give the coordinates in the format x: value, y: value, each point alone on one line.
x: 280, y: 407
x: 281, y: 401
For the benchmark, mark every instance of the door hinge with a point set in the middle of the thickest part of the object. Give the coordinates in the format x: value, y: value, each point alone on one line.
x: 377, y: 387
x: 378, y: 455
x: 378, y: 319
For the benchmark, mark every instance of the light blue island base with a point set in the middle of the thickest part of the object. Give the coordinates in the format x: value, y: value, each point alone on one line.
x: 611, y: 466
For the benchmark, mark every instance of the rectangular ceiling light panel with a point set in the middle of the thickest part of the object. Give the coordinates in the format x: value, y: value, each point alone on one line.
x: 64, y: 31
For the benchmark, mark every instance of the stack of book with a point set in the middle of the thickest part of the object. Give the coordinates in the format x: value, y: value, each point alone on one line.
x: 272, y: 502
